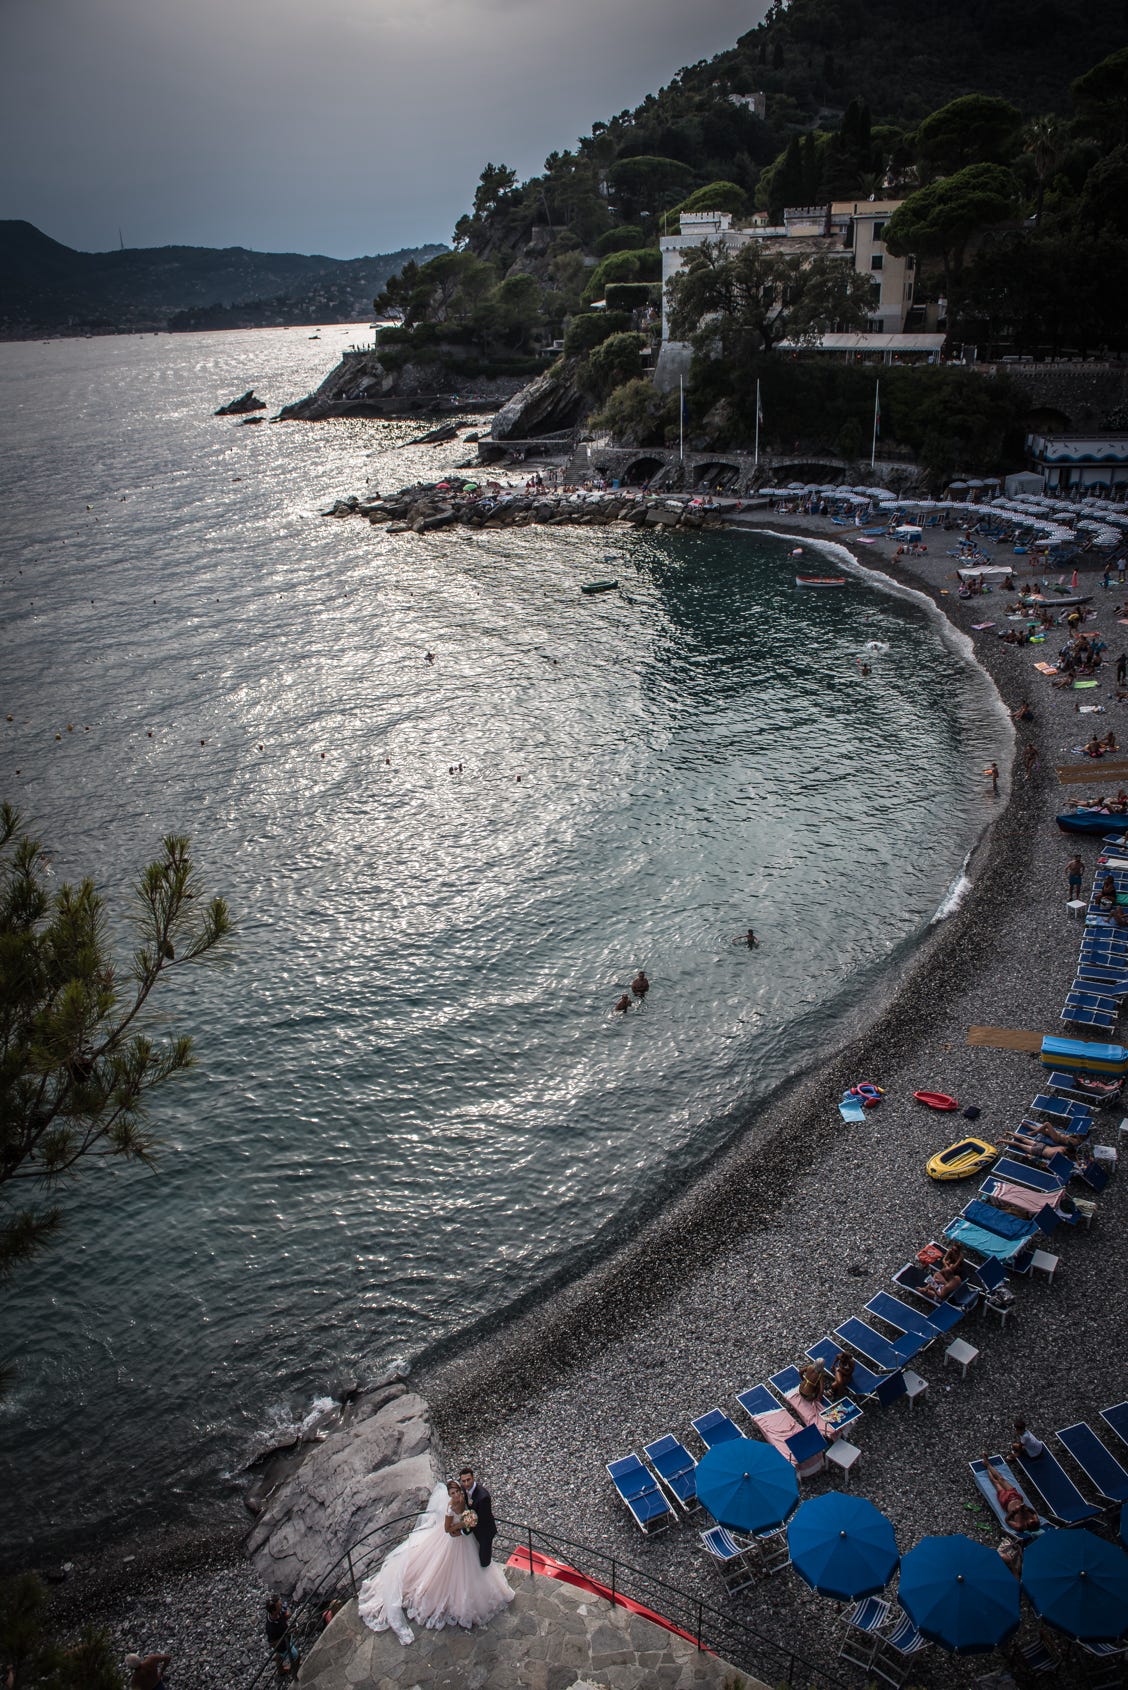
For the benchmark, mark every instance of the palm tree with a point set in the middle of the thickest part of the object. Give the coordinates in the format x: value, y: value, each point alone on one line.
x: 1045, y: 140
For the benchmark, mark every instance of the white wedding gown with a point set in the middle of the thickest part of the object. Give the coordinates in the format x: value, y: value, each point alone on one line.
x: 433, y: 1578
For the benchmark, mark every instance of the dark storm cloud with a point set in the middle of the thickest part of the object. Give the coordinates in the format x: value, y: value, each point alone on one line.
x: 337, y: 126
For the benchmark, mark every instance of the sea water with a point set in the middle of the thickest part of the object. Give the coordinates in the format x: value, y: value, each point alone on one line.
x: 454, y: 805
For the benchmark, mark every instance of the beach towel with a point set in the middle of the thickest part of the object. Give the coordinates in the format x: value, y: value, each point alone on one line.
x: 985, y: 1243
x: 777, y: 1428
x: 1021, y: 1197
x: 979, y: 626
x: 1046, y: 668
x: 994, y: 1220
x: 1077, y: 685
x: 811, y: 1414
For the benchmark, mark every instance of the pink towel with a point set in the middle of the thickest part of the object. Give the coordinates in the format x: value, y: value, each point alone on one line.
x: 777, y: 1427
x: 1021, y: 1197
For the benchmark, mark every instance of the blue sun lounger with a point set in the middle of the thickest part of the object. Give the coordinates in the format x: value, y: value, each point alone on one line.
x: 1040, y: 1178
x: 987, y: 1491
x: 856, y: 1334
x: 1090, y: 979
x: 640, y: 1490
x: 1103, y: 1471
x: 676, y: 1469
x: 715, y: 1428
x: 1092, y: 999
x: 1116, y: 1419
x: 864, y: 1383
x: 1060, y: 1110
x: 902, y: 1317
x: 997, y: 1220
x: 1057, y: 1490
x: 984, y: 1243
x: 913, y: 1277
x: 1084, y: 1015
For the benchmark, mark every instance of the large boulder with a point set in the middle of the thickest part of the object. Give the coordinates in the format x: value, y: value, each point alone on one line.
x: 375, y: 1467
x: 552, y: 404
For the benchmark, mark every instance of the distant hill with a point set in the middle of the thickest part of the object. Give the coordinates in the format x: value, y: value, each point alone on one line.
x: 48, y: 289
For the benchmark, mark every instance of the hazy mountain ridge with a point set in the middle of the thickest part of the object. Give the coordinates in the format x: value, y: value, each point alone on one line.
x: 47, y: 288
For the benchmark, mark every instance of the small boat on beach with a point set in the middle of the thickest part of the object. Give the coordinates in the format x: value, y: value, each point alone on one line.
x: 959, y: 1161
x: 820, y: 580
x: 1092, y: 821
x: 1055, y: 601
x: 599, y: 587
x: 936, y: 1100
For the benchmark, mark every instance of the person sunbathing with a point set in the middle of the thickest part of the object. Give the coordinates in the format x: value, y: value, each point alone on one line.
x: 947, y: 1276
x: 1017, y: 1512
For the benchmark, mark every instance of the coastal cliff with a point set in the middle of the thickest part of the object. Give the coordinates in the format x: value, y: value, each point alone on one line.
x: 364, y: 385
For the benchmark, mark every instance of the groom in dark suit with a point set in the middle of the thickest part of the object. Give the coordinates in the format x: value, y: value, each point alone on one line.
x: 479, y: 1499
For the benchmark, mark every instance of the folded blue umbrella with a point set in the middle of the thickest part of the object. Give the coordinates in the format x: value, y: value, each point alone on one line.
x: 746, y: 1485
x: 842, y: 1546
x: 959, y: 1594
x: 1078, y: 1583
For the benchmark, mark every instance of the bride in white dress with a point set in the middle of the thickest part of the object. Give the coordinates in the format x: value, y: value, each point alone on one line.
x: 434, y: 1577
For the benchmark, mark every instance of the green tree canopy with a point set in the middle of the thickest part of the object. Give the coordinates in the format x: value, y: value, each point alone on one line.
x: 975, y: 129
x: 715, y: 196
x: 750, y: 300
x: 939, y: 220
x: 616, y: 360
x: 77, y: 1066
x: 494, y: 182
x: 648, y: 183
x: 1100, y: 99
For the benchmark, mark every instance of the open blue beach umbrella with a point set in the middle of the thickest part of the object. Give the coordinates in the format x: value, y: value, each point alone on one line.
x: 1078, y: 1583
x: 842, y: 1546
x: 746, y: 1486
x: 959, y: 1594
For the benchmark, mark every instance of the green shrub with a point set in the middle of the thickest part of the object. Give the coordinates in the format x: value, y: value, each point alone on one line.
x: 617, y: 360
x: 622, y: 239
x: 630, y: 296
x: 589, y: 328
x: 636, y: 414
x: 715, y: 196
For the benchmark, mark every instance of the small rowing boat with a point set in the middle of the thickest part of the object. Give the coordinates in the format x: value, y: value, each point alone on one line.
x: 820, y: 580
x: 936, y: 1100
x: 599, y: 587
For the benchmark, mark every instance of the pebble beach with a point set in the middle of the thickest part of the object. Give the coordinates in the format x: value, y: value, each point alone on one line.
x: 804, y: 1219
x: 789, y: 1231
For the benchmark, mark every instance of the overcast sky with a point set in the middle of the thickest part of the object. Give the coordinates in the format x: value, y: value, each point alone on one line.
x: 333, y: 126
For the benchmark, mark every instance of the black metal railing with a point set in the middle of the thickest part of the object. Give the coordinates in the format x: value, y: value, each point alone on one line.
x: 716, y: 1630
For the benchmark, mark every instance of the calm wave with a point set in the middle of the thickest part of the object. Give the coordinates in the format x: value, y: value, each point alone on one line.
x: 412, y: 1104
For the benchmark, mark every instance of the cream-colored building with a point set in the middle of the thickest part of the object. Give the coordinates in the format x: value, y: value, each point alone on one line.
x: 849, y: 230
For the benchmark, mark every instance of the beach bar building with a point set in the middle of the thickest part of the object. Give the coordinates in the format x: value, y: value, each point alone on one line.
x: 1085, y: 462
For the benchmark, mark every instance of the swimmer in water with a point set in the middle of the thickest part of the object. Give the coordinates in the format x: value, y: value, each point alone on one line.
x: 623, y: 1004
x: 749, y: 939
x: 640, y: 985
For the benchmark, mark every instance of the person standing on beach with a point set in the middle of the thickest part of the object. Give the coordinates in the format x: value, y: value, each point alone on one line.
x: 1121, y: 669
x: 993, y: 771
x: 1074, y: 869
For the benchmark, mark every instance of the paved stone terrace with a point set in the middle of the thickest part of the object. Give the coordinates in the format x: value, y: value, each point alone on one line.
x: 553, y: 1637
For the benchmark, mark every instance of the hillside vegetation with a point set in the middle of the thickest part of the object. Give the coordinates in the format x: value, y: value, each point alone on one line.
x: 1004, y: 130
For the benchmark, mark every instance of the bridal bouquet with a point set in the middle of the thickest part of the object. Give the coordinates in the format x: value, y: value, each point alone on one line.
x: 469, y: 1521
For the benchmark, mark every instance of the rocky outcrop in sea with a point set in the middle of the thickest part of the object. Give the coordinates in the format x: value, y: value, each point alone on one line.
x: 364, y: 1463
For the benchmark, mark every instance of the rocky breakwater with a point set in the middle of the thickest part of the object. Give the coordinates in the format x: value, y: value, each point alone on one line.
x: 429, y: 506
x: 364, y: 1462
